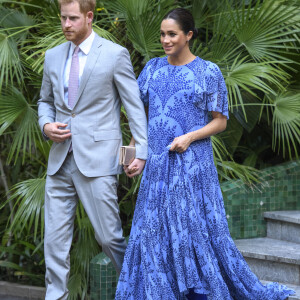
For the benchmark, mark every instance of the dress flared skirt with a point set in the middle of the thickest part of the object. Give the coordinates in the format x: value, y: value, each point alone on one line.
x: 180, y: 239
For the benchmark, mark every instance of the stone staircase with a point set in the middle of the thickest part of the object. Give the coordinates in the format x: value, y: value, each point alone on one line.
x: 277, y: 256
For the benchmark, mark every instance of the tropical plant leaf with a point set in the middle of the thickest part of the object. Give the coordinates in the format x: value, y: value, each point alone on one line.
x: 8, y: 264
x: 14, y: 109
x: 232, y: 135
x: 10, y: 66
x: 28, y: 209
x: 266, y: 30
x: 286, y: 123
x: 252, y: 108
x: 77, y: 286
x: 231, y: 169
x: 143, y: 25
x: 251, y: 77
x: 15, y: 22
x: 219, y: 149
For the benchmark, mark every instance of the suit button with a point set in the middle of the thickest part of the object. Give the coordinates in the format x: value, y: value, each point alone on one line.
x: 73, y: 115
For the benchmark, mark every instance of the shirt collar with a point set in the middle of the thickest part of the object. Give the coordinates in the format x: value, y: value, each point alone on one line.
x: 86, y: 45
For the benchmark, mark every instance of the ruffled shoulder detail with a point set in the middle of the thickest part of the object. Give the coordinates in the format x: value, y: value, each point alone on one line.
x: 210, y: 89
x: 144, y: 78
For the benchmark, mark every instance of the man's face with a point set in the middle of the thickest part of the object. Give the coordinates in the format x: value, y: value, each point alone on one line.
x: 76, y: 25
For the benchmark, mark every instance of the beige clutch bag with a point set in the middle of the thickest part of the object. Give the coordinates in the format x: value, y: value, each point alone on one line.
x: 127, y: 155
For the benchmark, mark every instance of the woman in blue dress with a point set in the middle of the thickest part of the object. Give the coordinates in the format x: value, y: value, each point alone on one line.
x: 180, y: 246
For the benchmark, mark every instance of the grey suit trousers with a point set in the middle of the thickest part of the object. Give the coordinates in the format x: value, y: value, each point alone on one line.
x: 99, y: 198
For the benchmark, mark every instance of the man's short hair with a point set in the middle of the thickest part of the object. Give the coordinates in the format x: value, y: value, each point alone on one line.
x: 84, y: 5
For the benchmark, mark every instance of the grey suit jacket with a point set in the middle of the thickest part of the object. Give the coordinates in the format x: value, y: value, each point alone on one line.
x: 107, y: 79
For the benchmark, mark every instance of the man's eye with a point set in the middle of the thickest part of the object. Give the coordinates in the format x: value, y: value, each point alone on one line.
x: 172, y: 34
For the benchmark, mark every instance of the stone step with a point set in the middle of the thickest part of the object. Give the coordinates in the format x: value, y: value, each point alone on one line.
x: 272, y: 259
x: 296, y: 288
x: 283, y: 225
x: 15, y: 291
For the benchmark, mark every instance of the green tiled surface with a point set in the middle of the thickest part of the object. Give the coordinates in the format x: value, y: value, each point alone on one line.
x: 279, y: 190
x: 103, y: 278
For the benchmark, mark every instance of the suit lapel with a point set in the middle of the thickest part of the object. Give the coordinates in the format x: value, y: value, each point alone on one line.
x: 90, y: 64
x: 61, y: 62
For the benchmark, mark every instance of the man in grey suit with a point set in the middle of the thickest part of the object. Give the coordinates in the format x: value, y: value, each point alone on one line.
x: 79, y: 110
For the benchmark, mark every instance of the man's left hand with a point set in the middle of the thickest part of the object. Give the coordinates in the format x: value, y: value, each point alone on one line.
x: 135, y: 168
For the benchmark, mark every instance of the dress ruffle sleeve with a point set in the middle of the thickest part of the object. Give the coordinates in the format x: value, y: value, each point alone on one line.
x: 143, y: 82
x: 210, y: 90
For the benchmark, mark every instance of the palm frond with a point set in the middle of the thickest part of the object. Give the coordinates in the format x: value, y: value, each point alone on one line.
x: 267, y: 30
x: 115, y: 8
x: 143, y: 24
x: 19, y: 3
x: 230, y: 169
x: 28, y: 197
x: 14, y: 21
x: 34, y: 53
x: 15, y: 109
x: 286, y: 123
x: 252, y: 108
x: 77, y: 286
x: 104, y: 33
x: 10, y: 66
x: 232, y: 135
x: 219, y: 148
x: 251, y: 77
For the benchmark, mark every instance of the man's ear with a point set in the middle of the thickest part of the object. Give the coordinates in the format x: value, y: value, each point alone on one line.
x: 90, y: 16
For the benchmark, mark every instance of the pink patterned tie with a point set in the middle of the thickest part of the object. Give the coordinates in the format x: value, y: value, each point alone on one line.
x: 73, y: 78
x: 73, y: 82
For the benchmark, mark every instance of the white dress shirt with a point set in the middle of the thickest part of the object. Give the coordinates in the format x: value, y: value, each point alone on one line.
x: 85, y: 48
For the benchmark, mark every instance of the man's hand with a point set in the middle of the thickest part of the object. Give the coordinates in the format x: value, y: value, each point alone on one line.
x: 135, y: 168
x: 181, y: 143
x: 55, y: 133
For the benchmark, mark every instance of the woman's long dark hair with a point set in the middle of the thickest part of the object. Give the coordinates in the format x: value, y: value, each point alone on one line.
x: 184, y: 19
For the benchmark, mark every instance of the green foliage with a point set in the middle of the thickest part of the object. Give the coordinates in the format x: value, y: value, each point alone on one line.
x: 16, y: 113
x: 255, y: 44
x: 28, y: 197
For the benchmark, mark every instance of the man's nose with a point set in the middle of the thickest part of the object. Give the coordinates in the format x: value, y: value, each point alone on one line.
x: 67, y: 23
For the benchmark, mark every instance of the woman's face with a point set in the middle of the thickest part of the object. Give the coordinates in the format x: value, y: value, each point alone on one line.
x: 172, y: 38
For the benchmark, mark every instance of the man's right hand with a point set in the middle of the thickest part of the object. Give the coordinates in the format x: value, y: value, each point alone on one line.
x: 54, y: 132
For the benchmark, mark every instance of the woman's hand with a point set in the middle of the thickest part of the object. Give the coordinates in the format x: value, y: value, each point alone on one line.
x: 218, y: 124
x: 181, y: 143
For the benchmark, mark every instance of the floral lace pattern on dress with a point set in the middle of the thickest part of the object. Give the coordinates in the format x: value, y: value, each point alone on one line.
x: 179, y: 238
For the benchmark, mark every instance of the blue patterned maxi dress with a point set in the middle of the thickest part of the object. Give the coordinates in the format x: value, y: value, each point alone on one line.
x: 179, y: 238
